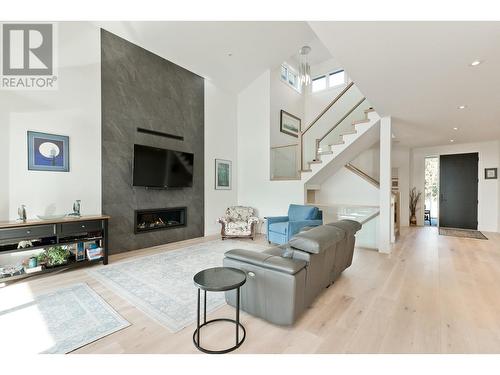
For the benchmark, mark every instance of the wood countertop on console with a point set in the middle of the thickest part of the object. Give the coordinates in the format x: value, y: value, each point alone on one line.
x: 67, y: 219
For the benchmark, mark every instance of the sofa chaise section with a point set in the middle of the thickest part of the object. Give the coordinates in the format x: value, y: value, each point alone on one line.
x: 283, y: 281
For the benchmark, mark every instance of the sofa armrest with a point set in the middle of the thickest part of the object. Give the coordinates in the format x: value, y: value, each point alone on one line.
x: 253, y: 219
x: 275, y: 263
x: 276, y: 219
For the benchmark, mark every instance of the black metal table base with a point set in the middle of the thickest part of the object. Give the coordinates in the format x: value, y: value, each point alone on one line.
x: 224, y: 350
x: 196, y: 334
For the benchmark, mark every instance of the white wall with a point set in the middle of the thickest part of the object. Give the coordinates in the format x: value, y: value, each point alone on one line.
x: 270, y: 198
x: 284, y: 97
x: 369, y: 162
x: 488, y: 190
x: 74, y: 109
x: 220, y: 143
x: 347, y: 188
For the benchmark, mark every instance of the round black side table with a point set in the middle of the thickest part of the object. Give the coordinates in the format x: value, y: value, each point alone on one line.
x: 219, y: 279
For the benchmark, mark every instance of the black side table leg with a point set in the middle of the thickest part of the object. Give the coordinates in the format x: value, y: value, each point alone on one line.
x: 198, y: 319
x: 205, y: 307
x: 237, y: 315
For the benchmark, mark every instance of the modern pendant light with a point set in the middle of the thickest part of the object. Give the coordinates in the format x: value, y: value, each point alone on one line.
x: 304, y: 67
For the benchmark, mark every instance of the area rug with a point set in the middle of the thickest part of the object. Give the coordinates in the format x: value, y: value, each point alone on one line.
x: 464, y: 233
x: 161, y: 285
x: 58, y: 322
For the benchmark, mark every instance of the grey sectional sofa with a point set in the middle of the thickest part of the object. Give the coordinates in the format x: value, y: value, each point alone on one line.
x: 282, y: 282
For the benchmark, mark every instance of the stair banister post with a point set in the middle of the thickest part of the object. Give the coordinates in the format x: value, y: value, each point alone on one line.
x: 316, y: 157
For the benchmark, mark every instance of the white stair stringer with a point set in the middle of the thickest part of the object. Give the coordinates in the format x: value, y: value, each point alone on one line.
x: 366, y: 135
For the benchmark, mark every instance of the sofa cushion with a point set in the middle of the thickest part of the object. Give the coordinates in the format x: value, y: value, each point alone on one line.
x: 238, y: 228
x: 317, y: 239
x: 281, y: 227
x: 298, y: 212
x: 241, y: 225
x: 268, y: 261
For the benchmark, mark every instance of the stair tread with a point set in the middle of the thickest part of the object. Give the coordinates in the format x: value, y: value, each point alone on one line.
x: 325, y: 152
x: 348, y: 132
x: 337, y: 143
x: 360, y: 121
x: 315, y: 162
x: 306, y: 170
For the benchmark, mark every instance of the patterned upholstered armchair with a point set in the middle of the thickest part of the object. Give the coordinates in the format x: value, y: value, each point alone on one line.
x: 238, y: 222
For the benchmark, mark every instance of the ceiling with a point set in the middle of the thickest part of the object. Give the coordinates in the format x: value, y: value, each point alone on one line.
x: 204, y: 47
x: 419, y: 73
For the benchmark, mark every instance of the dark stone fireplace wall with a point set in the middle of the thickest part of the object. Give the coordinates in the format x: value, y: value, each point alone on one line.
x: 143, y: 90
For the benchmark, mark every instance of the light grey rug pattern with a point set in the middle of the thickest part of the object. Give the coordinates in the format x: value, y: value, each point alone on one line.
x: 161, y: 285
x: 72, y: 317
x: 464, y: 233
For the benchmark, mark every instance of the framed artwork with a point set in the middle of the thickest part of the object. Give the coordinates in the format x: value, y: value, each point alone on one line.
x: 289, y: 124
x: 490, y: 173
x: 48, y: 152
x: 395, y: 184
x: 222, y: 174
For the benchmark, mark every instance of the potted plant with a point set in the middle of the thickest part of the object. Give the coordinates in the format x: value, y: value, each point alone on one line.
x: 414, y: 199
x: 53, y: 256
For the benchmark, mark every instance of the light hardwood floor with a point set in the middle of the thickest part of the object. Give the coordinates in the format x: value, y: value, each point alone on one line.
x: 433, y: 294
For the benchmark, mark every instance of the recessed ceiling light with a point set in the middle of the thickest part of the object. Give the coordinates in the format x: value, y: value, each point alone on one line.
x: 461, y: 107
x: 455, y: 128
x: 475, y: 63
x: 452, y: 140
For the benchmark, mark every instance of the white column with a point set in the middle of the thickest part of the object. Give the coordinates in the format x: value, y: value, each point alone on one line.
x: 385, y: 185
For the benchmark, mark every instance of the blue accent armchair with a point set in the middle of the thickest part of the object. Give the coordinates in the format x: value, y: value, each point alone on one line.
x: 281, y: 228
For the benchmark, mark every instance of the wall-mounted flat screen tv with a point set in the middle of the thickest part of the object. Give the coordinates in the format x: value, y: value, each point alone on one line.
x: 162, y: 168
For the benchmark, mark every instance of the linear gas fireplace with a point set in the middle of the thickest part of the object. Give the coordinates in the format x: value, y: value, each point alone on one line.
x: 159, y: 218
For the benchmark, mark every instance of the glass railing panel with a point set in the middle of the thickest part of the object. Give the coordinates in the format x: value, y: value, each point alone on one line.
x: 345, y: 126
x: 333, y: 115
x: 285, y: 162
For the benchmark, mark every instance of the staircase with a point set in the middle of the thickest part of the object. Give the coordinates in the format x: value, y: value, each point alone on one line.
x: 345, y: 128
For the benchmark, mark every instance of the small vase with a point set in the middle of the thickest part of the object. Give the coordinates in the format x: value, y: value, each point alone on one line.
x: 413, y: 220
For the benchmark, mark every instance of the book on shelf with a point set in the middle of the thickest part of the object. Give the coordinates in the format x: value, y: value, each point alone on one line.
x: 94, y: 253
x: 78, y: 250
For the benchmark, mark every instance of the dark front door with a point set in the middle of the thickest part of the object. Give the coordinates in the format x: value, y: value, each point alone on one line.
x: 458, y: 190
